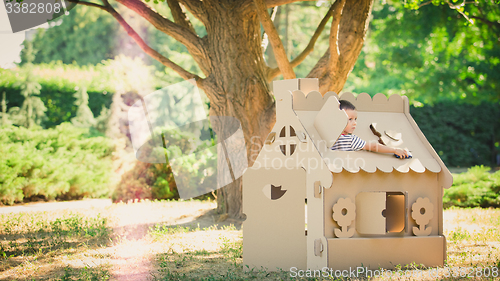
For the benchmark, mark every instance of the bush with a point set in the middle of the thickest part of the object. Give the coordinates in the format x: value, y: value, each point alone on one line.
x: 463, y: 135
x: 58, y: 83
x: 475, y: 188
x: 157, y: 181
x: 59, y: 163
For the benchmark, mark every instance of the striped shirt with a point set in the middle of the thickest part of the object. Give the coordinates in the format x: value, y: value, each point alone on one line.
x: 349, y: 143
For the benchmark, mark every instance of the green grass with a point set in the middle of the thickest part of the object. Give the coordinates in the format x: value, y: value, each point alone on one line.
x: 87, y: 273
x: 473, y: 243
x: 29, y: 242
x: 65, y: 245
x: 224, y: 263
x: 34, y: 234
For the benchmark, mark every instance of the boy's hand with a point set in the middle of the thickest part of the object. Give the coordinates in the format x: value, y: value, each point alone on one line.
x: 401, y: 153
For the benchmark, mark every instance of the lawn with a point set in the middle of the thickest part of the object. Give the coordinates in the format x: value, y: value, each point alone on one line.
x: 182, y: 240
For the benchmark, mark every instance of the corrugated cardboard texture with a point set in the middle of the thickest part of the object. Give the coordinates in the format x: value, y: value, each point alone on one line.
x: 330, y: 121
x: 274, y: 231
x: 296, y: 163
x: 369, y: 218
x: 370, y: 161
x: 348, y: 185
x: 310, y: 101
x: 379, y: 103
x: 272, y: 167
x: 385, y: 253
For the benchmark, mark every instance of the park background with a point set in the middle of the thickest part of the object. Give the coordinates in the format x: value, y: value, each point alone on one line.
x: 64, y: 131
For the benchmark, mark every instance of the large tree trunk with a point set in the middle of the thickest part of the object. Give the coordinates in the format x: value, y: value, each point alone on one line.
x: 237, y: 86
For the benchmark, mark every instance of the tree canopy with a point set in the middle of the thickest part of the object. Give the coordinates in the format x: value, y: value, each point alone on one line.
x: 432, y: 53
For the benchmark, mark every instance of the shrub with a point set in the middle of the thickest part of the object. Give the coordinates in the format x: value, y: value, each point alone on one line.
x: 463, y: 135
x: 62, y: 162
x: 157, y: 181
x: 475, y: 188
x: 58, y: 83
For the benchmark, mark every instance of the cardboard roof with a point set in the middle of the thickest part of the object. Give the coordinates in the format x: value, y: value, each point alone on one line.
x: 392, y: 119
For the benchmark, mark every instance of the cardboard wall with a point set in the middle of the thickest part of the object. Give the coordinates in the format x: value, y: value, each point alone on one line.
x: 388, y: 253
x: 415, y: 185
x: 274, y: 195
x: 274, y: 231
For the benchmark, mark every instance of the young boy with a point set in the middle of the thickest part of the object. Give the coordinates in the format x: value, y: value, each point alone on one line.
x: 349, y: 142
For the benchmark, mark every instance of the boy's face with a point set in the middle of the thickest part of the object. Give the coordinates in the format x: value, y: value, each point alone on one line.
x: 351, y: 123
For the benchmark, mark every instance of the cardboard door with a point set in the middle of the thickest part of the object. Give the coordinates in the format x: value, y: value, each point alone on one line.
x: 369, y: 216
x: 274, y: 231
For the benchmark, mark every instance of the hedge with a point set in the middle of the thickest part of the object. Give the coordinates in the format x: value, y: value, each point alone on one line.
x: 463, y: 135
x: 475, y: 188
x: 58, y: 163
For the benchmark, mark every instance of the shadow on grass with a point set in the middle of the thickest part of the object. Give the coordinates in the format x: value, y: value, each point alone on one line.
x: 198, y: 263
x: 46, y: 267
x: 32, y: 244
x: 206, y: 220
x: 60, y: 273
x: 224, y: 264
x: 41, y: 243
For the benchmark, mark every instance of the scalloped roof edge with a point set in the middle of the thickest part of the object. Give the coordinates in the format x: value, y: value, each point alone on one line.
x: 314, y: 101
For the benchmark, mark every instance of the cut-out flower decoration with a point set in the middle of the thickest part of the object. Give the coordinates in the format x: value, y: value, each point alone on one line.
x: 344, y: 212
x: 422, y: 211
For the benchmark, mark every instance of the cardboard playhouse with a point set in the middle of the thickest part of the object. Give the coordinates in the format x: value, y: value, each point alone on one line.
x: 310, y: 207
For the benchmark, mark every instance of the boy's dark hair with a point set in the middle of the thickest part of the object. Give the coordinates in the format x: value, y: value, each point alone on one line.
x: 346, y: 105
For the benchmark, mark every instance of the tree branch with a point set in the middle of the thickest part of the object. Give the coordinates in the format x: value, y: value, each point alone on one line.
x: 274, y: 3
x: 334, y: 31
x: 180, y: 33
x: 461, y: 4
x: 134, y: 35
x: 89, y: 4
x: 350, y: 34
x: 246, y: 5
x: 482, y: 18
x: 324, y: 65
x: 424, y: 4
x: 278, y: 49
x: 265, y: 40
x: 179, y: 16
x: 487, y: 22
x: 195, y: 7
x: 153, y: 53
x: 310, y: 47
